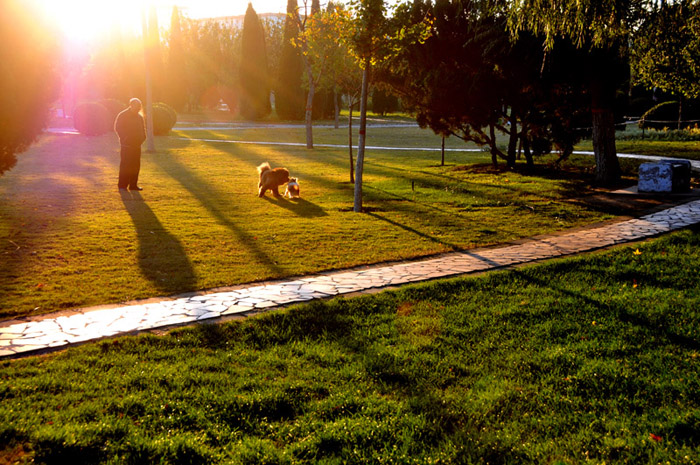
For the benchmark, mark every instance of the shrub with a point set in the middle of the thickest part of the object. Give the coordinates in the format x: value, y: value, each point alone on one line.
x: 665, y: 134
x: 92, y: 119
x: 113, y: 106
x: 164, y: 118
x: 384, y: 102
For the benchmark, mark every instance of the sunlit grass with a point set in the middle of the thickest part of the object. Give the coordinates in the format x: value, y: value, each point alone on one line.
x: 69, y: 239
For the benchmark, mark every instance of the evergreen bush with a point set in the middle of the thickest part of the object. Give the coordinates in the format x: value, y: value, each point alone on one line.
x: 92, y: 119
x: 164, y: 118
x: 113, y: 106
x: 384, y: 102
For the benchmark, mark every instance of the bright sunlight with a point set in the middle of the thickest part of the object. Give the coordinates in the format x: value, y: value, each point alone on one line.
x: 90, y: 20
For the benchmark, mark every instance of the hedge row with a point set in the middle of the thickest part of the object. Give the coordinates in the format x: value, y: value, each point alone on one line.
x: 95, y: 118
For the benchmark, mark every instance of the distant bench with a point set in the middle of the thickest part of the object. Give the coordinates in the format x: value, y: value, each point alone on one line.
x: 664, y: 176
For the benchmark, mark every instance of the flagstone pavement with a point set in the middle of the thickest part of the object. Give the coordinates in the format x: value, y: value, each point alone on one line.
x: 36, y: 335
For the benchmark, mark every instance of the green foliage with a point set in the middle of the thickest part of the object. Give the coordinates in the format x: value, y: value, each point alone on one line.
x: 28, y: 81
x: 253, y: 72
x: 384, y: 102
x: 466, y: 78
x: 672, y: 135
x: 666, y: 49
x: 92, y: 119
x: 585, y: 22
x: 289, y: 94
x: 164, y: 118
x: 657, y: 113
x: 590, y: 359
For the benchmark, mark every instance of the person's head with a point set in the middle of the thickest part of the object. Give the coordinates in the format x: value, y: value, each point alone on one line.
x: 135, y: 105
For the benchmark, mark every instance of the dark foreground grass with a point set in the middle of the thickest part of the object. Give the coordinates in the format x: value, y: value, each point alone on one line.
x: 586, y: 360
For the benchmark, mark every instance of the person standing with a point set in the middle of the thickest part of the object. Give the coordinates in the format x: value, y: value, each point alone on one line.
x: 131, y: 129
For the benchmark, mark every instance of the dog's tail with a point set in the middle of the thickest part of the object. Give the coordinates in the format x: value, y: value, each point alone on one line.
x: 262, y: 168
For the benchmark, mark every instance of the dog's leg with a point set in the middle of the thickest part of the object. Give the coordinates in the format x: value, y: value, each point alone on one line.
x: 275, y: 192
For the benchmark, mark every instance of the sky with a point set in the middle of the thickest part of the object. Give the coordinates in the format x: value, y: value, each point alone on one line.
x: 213, y: 8
x: 86, y: 20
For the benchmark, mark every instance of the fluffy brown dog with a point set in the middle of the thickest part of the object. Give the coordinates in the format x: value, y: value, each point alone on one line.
x: 271, y: 179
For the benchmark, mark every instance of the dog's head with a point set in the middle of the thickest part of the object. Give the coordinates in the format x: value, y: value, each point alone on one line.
x: 293, y: 181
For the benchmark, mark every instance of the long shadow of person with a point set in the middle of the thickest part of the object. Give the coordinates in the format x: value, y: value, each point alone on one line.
x: 162, y: 258
x: 298, y: 206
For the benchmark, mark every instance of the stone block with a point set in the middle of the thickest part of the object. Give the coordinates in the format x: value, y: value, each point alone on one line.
x: 680, y: 178
x: 655, y: 177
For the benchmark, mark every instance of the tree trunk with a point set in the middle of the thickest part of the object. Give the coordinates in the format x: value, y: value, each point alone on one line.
x: 310, y: 95
x: 352, y: 164
x: 357, y: 208
x: 526, y: 150
x: 309, y: 113
x: 512, y: 140
x: 492, y: 143
x: 336, y: 107
x: 680, y: 111
x: 607, y: 166
x: 442, y: 152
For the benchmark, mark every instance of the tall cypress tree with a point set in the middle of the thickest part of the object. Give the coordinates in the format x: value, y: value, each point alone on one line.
x: 175, y: 81
x: 289, y: 95
x: 254, y: 79
x: 155, y: 56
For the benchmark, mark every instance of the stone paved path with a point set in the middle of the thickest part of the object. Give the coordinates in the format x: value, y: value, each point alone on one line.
x: 24, y: 337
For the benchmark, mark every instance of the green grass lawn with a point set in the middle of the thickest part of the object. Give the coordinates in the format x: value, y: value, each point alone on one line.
x: 69, y: 239
x: 593, y: 359
x: 632, y: 141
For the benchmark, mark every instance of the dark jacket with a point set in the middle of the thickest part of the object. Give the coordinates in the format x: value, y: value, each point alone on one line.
x: 130, y: 128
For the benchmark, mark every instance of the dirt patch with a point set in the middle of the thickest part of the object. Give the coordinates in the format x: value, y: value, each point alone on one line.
x: 13, y: 455
x: 631, y: 204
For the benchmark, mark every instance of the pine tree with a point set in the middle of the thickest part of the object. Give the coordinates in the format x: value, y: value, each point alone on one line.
x: 176, y: 87
x: 289, y: 95
x: 254, y: 80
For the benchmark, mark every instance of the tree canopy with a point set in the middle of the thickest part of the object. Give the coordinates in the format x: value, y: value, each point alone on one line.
x: 666, y: 49
x: 28, y: 80
x: 463, y: 76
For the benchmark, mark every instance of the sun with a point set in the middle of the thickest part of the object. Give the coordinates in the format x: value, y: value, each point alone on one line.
x: 90, y: 20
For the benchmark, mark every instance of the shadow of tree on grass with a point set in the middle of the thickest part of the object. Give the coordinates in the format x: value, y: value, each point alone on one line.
x: 207, y: 194
x: 299, y: 207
